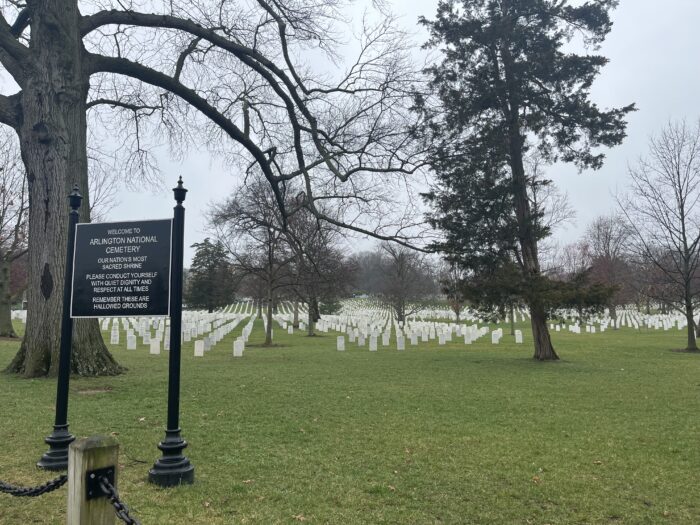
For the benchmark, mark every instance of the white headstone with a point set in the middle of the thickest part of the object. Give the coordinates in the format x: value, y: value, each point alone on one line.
x: 199, y: 348
x: 131, y: 342
x: 518, y: 337
x: 155, y: 346
x: 238, y: 346
x: 341, y: 343
x: 373, y: 344
x: 400, y: 343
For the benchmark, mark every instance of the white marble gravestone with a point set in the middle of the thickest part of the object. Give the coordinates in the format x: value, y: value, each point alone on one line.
x: 155, y: 346
x: 400, y: 343
x: 199, y: 348
x: 373, y: 344
x: 238, y: 346
x: 341, y: 343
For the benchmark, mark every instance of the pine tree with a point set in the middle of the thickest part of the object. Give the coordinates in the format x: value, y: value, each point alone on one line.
x: 507, y: 85
x: 211, y: 281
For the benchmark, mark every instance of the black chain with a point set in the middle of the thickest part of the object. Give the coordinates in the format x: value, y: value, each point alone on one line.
x: 32, y: 492
x: 119, y: 508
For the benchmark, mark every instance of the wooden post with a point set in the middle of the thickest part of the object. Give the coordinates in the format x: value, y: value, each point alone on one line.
x: 85, y: 455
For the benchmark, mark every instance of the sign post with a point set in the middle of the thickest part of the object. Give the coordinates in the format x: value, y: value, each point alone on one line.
x: 122, y: 269
x: 57, y: 456
x: 173, y: 468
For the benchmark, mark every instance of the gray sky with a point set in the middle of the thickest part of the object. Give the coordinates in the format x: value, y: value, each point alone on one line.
x: 653, y: 62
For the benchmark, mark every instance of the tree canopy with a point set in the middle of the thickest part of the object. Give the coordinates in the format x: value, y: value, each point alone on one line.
x: 508, y: 84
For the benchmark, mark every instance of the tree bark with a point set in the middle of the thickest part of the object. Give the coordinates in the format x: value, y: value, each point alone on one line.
x: 295, y: 322
x: 544, y: 351
x: 268, y: 330
x: 690, y: 319
x: 512, y: 319
x: 6, y: 328
x: 52, y: 135
x: 313, y: 316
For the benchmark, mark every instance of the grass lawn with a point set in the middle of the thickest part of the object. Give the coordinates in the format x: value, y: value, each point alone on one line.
x: 453, y: 434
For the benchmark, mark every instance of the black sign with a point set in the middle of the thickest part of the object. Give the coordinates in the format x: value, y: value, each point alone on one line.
x: 122, y: 269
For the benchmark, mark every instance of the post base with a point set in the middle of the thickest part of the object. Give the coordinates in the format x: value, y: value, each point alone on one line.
x: 57, y: 456
x: 173, y: 468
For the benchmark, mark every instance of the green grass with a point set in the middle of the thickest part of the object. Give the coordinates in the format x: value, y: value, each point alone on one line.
x: 454, y: 434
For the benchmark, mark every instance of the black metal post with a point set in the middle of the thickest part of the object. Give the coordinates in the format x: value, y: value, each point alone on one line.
x: 173, y: 468
x: 57, y: 456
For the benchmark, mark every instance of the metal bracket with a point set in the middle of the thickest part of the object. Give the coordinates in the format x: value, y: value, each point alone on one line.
x: 92, y: 482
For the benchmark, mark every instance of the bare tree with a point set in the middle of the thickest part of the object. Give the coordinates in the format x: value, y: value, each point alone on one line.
x: 607, y: 237
x: 407, y: 279
x: 103, y: 185
x: 14, y: 205
x: 249, y: 225
x: 549, y: 205
x: 662, y: 210
x: 219, y: 73
x: 320, y: 272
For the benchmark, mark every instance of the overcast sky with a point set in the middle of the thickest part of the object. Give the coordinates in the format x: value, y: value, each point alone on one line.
x: 653, y: 52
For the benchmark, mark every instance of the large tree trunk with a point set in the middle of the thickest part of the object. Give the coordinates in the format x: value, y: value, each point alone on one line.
x: 512, y: 319
x: 613, y: 315
x: 295, y: 322
x: 6, y: 329
x: 690, y: 318
x: 544, y: 351
x: 52, y: 136
x: 268, y: 331
x: 313, y: 316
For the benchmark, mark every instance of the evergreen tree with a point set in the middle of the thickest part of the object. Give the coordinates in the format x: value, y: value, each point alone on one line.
x: 211, y: 281
x: 506, y: 85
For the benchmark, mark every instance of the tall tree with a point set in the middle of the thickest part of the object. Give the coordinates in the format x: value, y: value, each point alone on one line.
x: 508, y: 84
x: 251, y: 227
x: 407, y: 279
x: 14, y: 204
x: 320, y: 273
x: 233, y: 75
x: 211, y: 282
x: 608, y: 239
x: 663, y: 215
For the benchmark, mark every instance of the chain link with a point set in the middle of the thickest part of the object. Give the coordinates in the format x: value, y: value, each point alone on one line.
x: 120, y: 508
x: 32, y: 492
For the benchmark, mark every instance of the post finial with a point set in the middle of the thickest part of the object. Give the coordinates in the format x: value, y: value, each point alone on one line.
x: 179, y: 191
x: 75, y: 198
